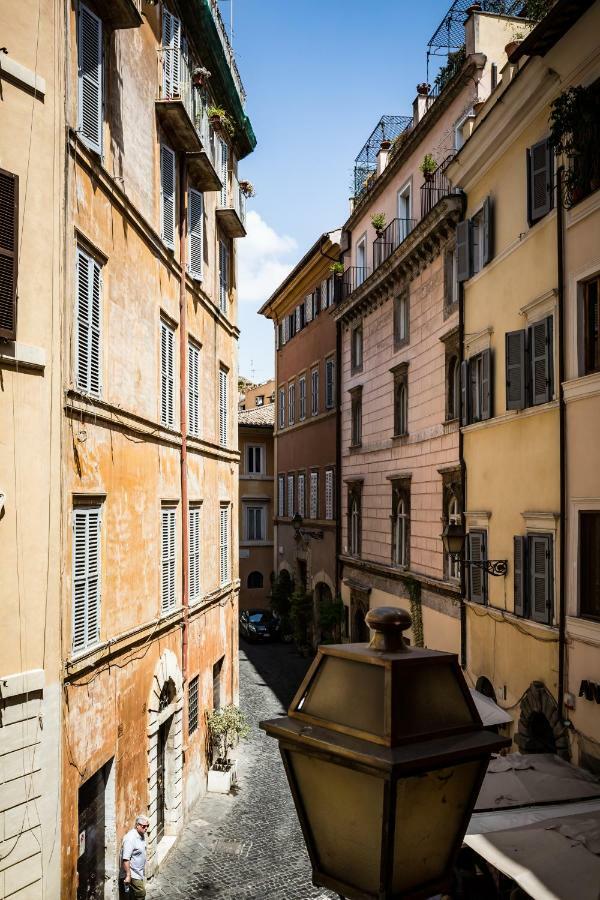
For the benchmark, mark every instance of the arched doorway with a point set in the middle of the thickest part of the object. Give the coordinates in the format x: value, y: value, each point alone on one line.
x: 485, y: 687
x: 541, y: 729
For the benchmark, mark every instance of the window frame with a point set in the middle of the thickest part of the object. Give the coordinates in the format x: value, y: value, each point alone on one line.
x: 168, y: 558
x: 588, y: 367
x: 168, y: 417
x: 86, y: 512
x: 401, y: 319
x: 400, y: 522
x: 314, y: 391
x: 587, y: 616
x: 250, y: 452
x: 354, y: 514
x: 256, y: 511
x: 356, y: 349
x: 356, y: 422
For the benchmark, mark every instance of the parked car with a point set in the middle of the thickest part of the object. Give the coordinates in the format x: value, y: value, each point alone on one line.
x: 259, y: 625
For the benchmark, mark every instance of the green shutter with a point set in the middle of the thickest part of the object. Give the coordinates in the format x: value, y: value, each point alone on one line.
x: 539, y: 167
x: 463, y: 250
x: 487, y: 232
x: 520, y: 575
x: 540, y: 577
x: 516, y: 370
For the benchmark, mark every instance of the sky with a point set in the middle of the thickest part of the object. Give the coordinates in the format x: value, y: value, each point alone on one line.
x: 319, y: 74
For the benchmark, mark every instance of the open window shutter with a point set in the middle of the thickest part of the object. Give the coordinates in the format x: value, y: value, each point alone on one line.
x: 224, y: 173
x: 95, y: 385
x: 193, y: 389
x: 90, y: 78
x: 475, y: 551
x: 223, y: 407
x: 86, y: 578
x: 93, y: 599
x: 463, y: 250
x: 540, y: 180
x: 540, y: 355
x: 224, y: 542
x: 329, y: 494
x: 195, y: 229
x: 486, y: 385
x: 487, y: 231
x: 540, y: 571
x: 9, y: 224
x: 516, y: 370
x: 308, y: 308
x: 167, y: 196
x: 82, y: 352
x: 176, y: 55
x: 464, y: 392
x: 520, y: 574
x: 167, y: 55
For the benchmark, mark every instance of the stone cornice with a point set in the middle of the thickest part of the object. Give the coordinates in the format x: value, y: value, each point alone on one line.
x: 406, y: 262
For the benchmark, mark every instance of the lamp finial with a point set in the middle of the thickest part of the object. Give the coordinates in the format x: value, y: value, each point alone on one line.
x: 387, y: 624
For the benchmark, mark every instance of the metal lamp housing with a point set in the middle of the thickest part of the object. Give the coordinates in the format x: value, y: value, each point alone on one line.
x: 453, y: 539
x: 385, y: 754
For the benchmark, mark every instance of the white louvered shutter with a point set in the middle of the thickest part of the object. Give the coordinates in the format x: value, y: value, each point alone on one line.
x: 223, y: 276
x: 88, y: 362
x: 167, y: 375
x: 194, y: 554
x: 193, y: 390
x: 329, y: 494
x: 195, y: 233
x: 86, y: 578
x: 90, y: 78
x: 324, y: 294
x: 314, y: 495
x: 224, y: 170
x: 280, y: 496
x: 171, y: 52
x: 167, y: 196
x: 290, y: 496
x: 168, y: 559
x: 223, y: 408
x: 301, y: 495
x: 224, y: 545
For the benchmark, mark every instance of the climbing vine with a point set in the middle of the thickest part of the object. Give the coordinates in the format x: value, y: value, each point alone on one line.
x: 416, y: 611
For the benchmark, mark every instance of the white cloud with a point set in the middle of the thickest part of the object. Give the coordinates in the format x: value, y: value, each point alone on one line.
x: 264, y: 260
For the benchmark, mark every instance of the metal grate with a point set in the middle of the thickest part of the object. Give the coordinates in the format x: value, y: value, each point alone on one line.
x: 365, y: 164
x: 193, y: 705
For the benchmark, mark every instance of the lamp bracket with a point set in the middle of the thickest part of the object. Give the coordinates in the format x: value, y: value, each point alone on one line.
x: 307, y: 533
x: 495, y: 567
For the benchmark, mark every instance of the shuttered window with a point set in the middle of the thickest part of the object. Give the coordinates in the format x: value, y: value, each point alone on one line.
x: 530, y: 365
x: 314, y: 380
x: 477, y: 549
x: 475, y: 242
x: 167, y: 375
x: 329, y: 488
x: 301, y: 491
x: 540, y: 577
x: 224, y: 545
x: 516, y: 371
x: 308, y: 306
x: 329, y: 383
x: 88, y: 325
x: 195, y: 233
x: 171, y: 54
x: 223, y: 408
x: 193, y: 705
x: 290, y: 495
x: 589, y: 564
x: 90, y: 80
x: 314, y: 495
x: 194, y: 553
x: 477, y: 388
x: 224, y: 171
x: 168, y: 559
x: 193, y: 389
x: 223, y: 276
x: 291, y: 404
x: 86, y: 577
x: 9, y: 223
x: 520, y: 575
x: 167, y: 196
x: 463, y: 251
x: 282, y: 407
x: 281, y: 496
x: 539, y: 181
x: 591, y: 325
x: 302, y: 398
x: 540, y: 360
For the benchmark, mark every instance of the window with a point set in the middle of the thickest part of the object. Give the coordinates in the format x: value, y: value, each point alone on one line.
x: 474, y: 242
x: 291, y: 325
x: 193, y: 705
x: 171, y: 59
x: 224, y: 544
x: 540, y: 193
x: 254, y: 459
x: 454, y: 518
x: 591, y: 325
x: 401, y: 319
x: 451, y: 287
x: 291, y: 404
x: 217, y: 682
x: 530, y: 365
x: 86, y: 576
x: 354, y: 518
x: 302, y: 398
x: 259, y: 400
x: 401, y: 400
x: 224, y: 172
x: 461, y: 129
x: 280, y: 335
x: 400, y: 522
x: 167, y: 375
x: 476, y: 388
x: 195, y: 233
x: 91, y: 78
x: 356, y: 349
x: 167, y: 196
x: 329, y: 494
x: 223, y: 407
x: 223, y: 276
x: 168, y: 559
x: 282, y: 407
x: 255, y: 523
x: 194, y: 553
x: 193, y: 389
x: 9, y: 216
x: 329, y: 383
x: 314, y: 381
x: 290, y: 495
x: 532, y: 577
x: 88, y: 327
x: 589, y: 565
x: 255, y: 580
x: 404, y: 212
x: 477, y: 552
x: 356, y: 417
x: 281, y: 496
x: 301, y: 488
x: 314, y: 495
x: 361, y: 261
x: 452, y: 388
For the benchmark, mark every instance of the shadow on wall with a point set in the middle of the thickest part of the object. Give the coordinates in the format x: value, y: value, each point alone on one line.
x: 279, y: 665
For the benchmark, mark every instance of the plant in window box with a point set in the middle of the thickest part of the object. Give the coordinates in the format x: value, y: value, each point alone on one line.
x: 226, y: 727
x: 574, y: 132
x: 219, y: 119
x: 378, y: 222
x: 247, y: 189
x: 337, y: 268
x: 428, y: 167
x: 200, y: 76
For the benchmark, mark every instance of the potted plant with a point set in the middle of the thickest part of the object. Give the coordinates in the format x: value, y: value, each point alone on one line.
x: 219, y: 119
x: 247, y: 189
x: 574, y: 131
x: 428, y: 167
x: 510, y: 48
x: 385, y: 145
x: 226, y: 727
x: 423, y: 89
x: 200, y: 76
x: 337, y: 268
x: 378, y: 223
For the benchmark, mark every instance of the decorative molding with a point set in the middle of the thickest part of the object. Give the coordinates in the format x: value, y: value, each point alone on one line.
x: 544, y: 305
x: 511, y: 414
x: 26, y: 356
x: 541, y: 521
x: 581, y: 388
x: 477, y: 518
x: 583, y: 629
x: 399, y: 476
x: 22, y: 76
x: 477, y: 343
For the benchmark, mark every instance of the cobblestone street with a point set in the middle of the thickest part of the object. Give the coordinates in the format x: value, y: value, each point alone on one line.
x: 249, y: 845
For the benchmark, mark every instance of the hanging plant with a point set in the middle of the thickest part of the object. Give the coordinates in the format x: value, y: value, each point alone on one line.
x: 200, y: 76
x: 219, y: 119
x: 378, y: 222
x: 574, y: 133
x: 428, y: 167
x: 336, y: 268
x: 247, y: 189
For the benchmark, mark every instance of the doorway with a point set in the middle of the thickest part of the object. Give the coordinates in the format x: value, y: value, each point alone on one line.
x: 92, y: 815
x: 161, y: 752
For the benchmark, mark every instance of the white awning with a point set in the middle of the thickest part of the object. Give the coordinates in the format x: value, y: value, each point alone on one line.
x: 489, y: 711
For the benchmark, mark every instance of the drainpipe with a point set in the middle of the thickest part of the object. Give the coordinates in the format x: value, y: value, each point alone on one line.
x: 338, y: 455
x: 560, y: 251
x: 463, y: 481
x: 183, y: 416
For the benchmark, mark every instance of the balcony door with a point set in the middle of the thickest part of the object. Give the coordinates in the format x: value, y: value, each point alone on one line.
x: 361, y: 261
x: 404, y: 212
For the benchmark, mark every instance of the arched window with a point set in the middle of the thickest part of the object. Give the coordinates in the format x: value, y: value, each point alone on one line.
x: 454, y: 519
x: 400, y: 531
x: 453, y: 388
x: 255, y: 580
x: 354, y: 527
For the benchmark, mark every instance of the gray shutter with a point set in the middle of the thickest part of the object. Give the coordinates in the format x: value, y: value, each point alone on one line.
x: 520, y: 574
x: 486, y: 385
x: 88, y: 325
x: 540, y: 577
x: 90, y: 78
x: 224, y: 172
x: 463, y: 250
x: 171, y: 47
x: 9, y: 223
x: 516, y: 370
x: 477, y: 578
x: 167, y: 196
x: 487, y: 231
x: 540, y: 356
x: 464, y: 392
x: 540, y: 180
x: 86, y: 577
x: 195, y: 229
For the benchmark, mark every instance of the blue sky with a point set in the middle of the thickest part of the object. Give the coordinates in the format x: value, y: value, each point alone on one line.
x: 318, y: 77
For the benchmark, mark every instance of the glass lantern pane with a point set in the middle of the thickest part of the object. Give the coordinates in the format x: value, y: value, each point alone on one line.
x: 344, y: 809
x: 348, y: 693
x: 429, y: 702
x: 430, y: 812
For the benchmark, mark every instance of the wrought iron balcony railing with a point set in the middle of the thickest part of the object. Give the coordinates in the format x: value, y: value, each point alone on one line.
x: 396, y: 232
x: 437, y: 187
x: 227, y: 49
x: 352, y: 279
x: 231, y: 208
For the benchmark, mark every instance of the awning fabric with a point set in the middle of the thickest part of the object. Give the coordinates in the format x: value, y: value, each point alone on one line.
x: 489, y: 711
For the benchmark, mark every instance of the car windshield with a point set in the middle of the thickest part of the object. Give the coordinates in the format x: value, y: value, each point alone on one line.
x: 259, y: 618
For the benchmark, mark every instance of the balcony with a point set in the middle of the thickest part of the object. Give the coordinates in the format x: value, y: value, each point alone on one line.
x: 227, y: 49
x: 396, y: 232
x: 117, y: 14
x: 439, y: 186
x: 231, y: 210
x: 365, y: 165
x: 352, y: 279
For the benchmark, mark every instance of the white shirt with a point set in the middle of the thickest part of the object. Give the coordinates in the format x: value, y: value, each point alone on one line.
x: 134, y: 850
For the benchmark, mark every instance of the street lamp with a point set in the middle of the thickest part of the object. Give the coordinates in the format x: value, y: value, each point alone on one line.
x: 297, y: 522
x: 385, y: 754
x: 453, y: 538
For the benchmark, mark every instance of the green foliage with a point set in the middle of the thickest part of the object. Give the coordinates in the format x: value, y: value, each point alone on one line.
x: 429, y: 165
x: 337, y: 268
x: 378, y: 221
x: 453, y: 65
x: 331, y: 616
x: 226, y: 727
x: 574, y: 133
x: 301, y: 616
x: 217, y: 112
x: 282, y: 588
x: 537, y: 9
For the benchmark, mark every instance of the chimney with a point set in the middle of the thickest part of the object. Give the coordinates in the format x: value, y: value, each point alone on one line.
x: 421, y: 102
x: 382, y: 156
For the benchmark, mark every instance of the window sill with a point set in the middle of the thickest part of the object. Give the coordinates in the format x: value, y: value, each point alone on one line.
x: 400, y: 438
x: 585, y: 386
x: 512, y: 618
x: 583, y: 629
x: 510, y: 415
x: 22, y: 356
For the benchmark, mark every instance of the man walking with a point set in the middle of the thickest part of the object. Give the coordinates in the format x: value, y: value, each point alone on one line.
x: 133, y: 861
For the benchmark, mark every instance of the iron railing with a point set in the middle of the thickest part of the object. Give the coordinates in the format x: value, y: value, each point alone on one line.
x: 233, y: 198
x: 227, y: 49
x: 437, y: 187
x: 365, y: 165
x: 193, y: 97
x: 352, y: 279
x: 396, y: 232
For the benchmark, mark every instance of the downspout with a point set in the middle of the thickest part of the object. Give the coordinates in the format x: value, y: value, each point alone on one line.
x: 183, y: 418
x: 463, y: 481
x: 338, y: 456
x: 560, y: 250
